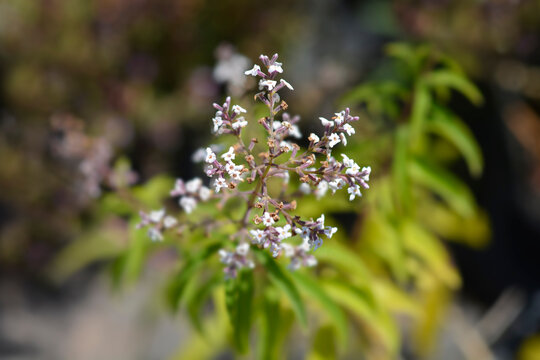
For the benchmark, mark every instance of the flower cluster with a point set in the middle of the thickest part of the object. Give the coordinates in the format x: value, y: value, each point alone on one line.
x: 244, y: 169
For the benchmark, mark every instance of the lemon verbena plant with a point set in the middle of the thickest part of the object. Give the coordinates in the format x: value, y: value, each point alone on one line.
x: 269, y: 220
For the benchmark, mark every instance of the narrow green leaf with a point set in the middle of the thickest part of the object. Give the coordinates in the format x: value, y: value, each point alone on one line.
x: 136, y: 253
x: 456, y: 81
x: 456, y: 132
x: 443, y: 183
x: 282, y: 280
x: 239, y: 301
x: 348, y: 261
x: 324, y: 344
x: 421, y: 106
x: 312, y: 288
x: 400, y: 177
x: 428, y: 248
x: 177, y: 286
x: 199, y: 298
x: 268, y: 346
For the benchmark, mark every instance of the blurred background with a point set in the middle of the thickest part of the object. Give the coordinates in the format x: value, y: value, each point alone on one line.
x: 84, y: 84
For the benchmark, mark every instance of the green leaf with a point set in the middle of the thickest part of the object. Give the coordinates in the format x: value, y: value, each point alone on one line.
x: 154, y: 191
x: 400, y: 177
x: 239, y: 301
x: 377, y: 320
x: 177, y: 286
x: 314, y: 291
x: 282, y: 281
x: 421, y: 106
x: 271, y: 318
x: 456, y: 81
x: 450, y: 127
x: 348, y: 261
x: 443, y: 183
x: 92, y: 246
x: 428, y: 248
x: 136, y: 253
x: 324, y: 345
x: 195, y: 302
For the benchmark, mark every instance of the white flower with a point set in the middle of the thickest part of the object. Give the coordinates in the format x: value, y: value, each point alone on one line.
x: 348, y: 129
x: 238, y: 109
x: 320, y: 222
x: 204, y: 193
x: 275, y: 67
x: 198, y: 155
x: 258, y: 236
x: 336, y: 184
x: 220, y: 183
x: 267, y: 219
x: 254, y: 71
x: 284, y: 232
x: 326, y: 122
x: 242, y: 249
x: 333, y: 140
x: 210, y: 156
x: 314, y: 138
x: 330, y: 231
x: 346, y: 161
x: 154, y: 234
x: 169, y: 222
x: 353, y: 169
x: 343, y: 139
x: 354, y: 191
x: 286, y: 84
x: 225, y: 256
x: 294, y: 131
x: 232, y: 168
x: 304, y: 233
x: 321, y: 190
x: 239, y: 123
x: 156, y: 216
x: 229, y: 155
x: 236, y: 175
x: 305, y: 188
x: 269, y: 84
x: 339, y: 118
x: 368, y: 169
x: 217, y: 123
x: 316, y: 244
x: 188, y: 203
x: 311, y: 261
x: 287, y: 249
x: 286, y: 146
x: 276, y: 125
x: 193, y: 185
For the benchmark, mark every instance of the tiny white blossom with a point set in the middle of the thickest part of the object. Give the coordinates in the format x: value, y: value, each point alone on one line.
x: 188, y: 204
x: 239, y: 123
x: 343, y: 139
x: 154, y: 234
x: 339, y: 118
x: 225, y: 256
x: 269, y: 84
x: 220, y: 183
x: 286, y: 84
x: 326, y: 122
x: 316, y: 244
x: 286, y: 146
x: 217, y: 123
x: 314, y: 138
x: 348, y: 129
x: 275, y: 67
x: 304, y: 233
x: 229, y: 155
x: 242, y: 249
x: 276, y: 125
x: 254, y: 71
x: 305, y: 188
x: 204, y: 193
x: 322, y: 188
x: 336, y: 184
x: 320, y: 222
x: 287, y: 249
x: 284, y: 232
x: 193, y: 185
x: 238, y: 109
x: 353, y: 169
x: 257, y: 236
x: 236, y: 175
x: 156, y: 216
x: 354, y: 191
x: 210, y: 156
x: 368, y: 169
x: 169, y: 222
x: 333, y: 140
x: 346, y: 161
x: 330, y: 231
x: 267, y: 219
x: 294, y: 131
x: 311, y: 261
